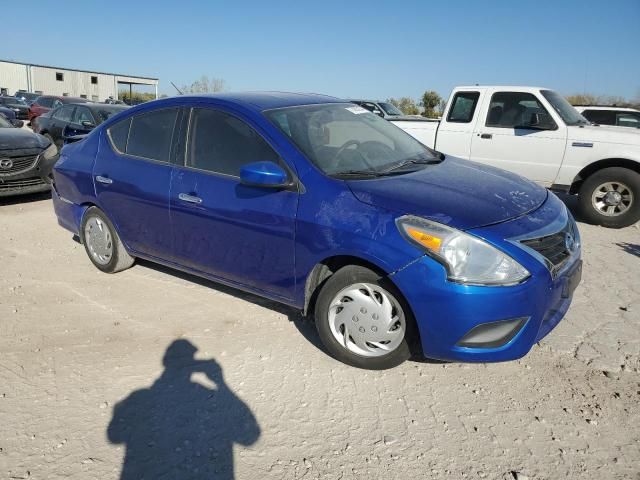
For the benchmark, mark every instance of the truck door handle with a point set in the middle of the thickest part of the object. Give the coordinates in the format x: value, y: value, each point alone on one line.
x: 105, y: 180
x: 185, y: 197
x: 487, y: 136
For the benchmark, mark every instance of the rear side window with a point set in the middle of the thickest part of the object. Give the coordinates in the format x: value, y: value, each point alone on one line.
x: 119, y: 133
x: 603, y: 117
x: 222, y: 143
x: 463, y: 107
x: 151, y: 133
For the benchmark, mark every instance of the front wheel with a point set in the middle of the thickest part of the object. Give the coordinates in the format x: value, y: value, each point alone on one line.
x: 363, y: 320
x: 102, y: 243
x: 611, y: 197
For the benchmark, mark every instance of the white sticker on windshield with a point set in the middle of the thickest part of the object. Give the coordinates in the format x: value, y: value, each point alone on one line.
x: 357, y: 109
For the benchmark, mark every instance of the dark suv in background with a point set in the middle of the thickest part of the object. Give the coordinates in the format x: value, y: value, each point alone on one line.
x: 74, y: 119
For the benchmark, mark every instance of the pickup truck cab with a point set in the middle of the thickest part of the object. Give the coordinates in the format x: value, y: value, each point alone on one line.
x: 536, y: 133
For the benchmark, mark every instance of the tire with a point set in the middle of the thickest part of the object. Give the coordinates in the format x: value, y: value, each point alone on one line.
x: 595, y: 205
x: 104, y: 247
x: 352, y: 287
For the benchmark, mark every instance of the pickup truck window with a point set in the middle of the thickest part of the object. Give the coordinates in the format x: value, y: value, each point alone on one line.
x: 569, y: 115
x: 517, y: 110
x: 463, y: 107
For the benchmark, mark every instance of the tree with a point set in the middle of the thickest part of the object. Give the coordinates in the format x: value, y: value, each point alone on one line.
x: 431, y: 103
x: 205, y: 85
x: 590, y: 99
x: 406, y: 105
x: 135, y: 98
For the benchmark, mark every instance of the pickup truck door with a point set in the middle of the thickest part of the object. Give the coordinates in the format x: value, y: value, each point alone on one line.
x: 518, y: 133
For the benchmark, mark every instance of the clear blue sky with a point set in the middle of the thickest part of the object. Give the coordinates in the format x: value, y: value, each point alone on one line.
x: 347, y: 48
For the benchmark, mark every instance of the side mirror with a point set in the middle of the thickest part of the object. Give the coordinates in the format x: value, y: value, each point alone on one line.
x: 377, y: 112
x: 264, y: 174
x: 17, y: 123
x: 542, y: 121
x: 87, y: 124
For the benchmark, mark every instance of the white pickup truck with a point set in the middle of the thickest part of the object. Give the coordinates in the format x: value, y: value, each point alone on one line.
x: 536, y: 133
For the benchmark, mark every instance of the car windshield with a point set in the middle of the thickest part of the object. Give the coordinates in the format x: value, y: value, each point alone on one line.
x: 390, y: 109
x: 4, y: 123
x: 103, y: 112
x: 569, y: 115
x: 346, y: 139
x: 11, y: 101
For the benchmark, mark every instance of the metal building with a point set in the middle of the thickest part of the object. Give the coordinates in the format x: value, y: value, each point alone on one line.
x: 48, y: 80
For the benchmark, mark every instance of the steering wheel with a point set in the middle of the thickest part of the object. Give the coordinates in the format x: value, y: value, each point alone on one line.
x: 374, y: 149
x: 344, y: 146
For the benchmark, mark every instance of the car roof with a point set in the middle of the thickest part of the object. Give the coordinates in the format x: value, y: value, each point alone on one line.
x: 268, y: 100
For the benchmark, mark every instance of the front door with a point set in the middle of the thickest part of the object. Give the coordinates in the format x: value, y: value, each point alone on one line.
x: 132, y: 176
x: 519, y: 135
x: 221, y: 227
x: 59, y: 120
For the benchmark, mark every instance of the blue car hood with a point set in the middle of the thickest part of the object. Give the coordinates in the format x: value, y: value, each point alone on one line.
x: 456, y: 192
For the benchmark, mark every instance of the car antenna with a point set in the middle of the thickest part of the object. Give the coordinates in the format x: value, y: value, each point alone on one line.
x: 174, y: 86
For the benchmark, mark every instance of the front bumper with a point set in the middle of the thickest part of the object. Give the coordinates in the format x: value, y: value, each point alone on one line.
x: 447, y: 312
x: 25, y: 181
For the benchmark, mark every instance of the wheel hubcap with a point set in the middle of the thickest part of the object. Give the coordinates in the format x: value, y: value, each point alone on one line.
x: 98, y: 240
x: 367, y: 320
x: 612, y: 199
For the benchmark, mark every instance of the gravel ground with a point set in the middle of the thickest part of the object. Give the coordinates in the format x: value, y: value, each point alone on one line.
x: 82, y: 380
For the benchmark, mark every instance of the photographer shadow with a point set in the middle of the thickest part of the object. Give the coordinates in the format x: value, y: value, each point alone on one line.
x: 178, y: 428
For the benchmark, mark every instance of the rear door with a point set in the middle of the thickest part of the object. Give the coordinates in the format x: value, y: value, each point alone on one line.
x: 132, y: 175
x: 519, y: 134
x: 221, y: 227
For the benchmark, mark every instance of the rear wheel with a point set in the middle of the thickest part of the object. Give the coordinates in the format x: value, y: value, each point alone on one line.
x: 102, y: 243
x: 611, y: 197
x: 363, y: 320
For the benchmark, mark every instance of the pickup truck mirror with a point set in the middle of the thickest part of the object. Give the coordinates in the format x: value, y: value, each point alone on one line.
x: 542, y: 121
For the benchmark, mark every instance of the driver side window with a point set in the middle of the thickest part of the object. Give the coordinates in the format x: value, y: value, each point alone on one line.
x: 82, y: 114
x: 517, y: 110
x: 222, y: 143
x: 64, y: 113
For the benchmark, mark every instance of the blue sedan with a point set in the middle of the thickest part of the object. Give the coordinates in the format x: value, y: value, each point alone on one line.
x: 319, y: 204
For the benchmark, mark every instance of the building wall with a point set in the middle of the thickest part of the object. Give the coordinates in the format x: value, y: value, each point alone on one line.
x: 18, y: 76
x: 73, y: 84
x: 13, y: 77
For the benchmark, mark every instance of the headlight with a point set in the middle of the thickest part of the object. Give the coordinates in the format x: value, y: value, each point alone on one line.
x: 467, y: 259
x: 50, y: 152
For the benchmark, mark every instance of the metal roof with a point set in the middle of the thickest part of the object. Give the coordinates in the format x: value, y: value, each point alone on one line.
x: 77, y: 70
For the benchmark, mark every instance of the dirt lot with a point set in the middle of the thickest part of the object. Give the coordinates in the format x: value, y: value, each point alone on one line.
x: 263, y: 399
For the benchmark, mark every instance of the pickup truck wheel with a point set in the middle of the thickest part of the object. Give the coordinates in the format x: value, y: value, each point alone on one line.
x: 611, y: 197
x: 363, y: 320
x: 102, y: 243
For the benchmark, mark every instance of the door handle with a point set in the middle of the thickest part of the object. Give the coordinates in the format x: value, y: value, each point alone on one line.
x: 185, y: 197
x: 105, y: 180
x: 486, y: 136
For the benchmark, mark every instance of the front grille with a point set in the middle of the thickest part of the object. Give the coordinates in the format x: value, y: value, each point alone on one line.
x: 556, y: 248
x: 19, y: 164
x: 23, y: 182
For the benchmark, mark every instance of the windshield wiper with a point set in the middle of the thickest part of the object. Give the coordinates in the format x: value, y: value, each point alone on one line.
x: 357, y: 173
x: 412, y: 161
